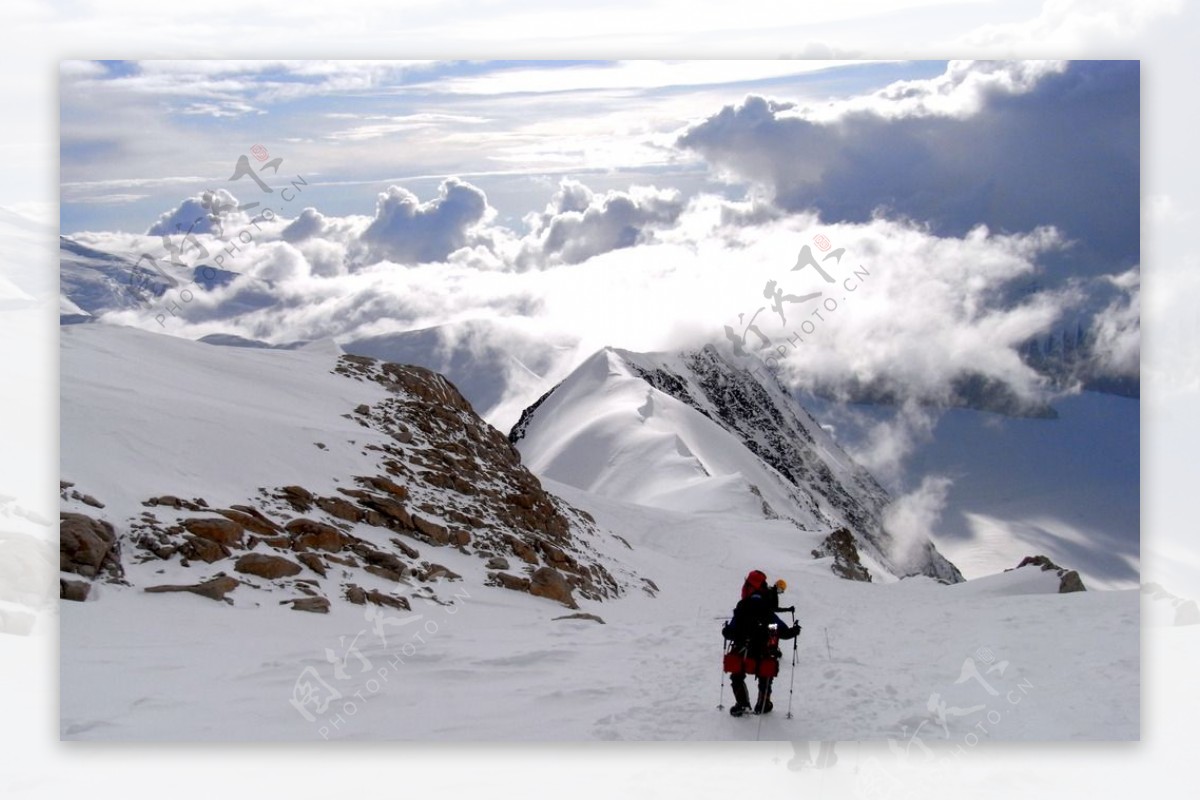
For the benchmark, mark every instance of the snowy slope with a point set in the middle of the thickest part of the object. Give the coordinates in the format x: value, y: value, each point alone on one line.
x: 172, y: 413
x: 145, y: 414
x: 339, y: 472
x: 874, y: 662
x: 692, y: 432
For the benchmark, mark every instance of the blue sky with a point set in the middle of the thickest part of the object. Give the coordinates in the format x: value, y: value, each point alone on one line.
x: 137, y: 138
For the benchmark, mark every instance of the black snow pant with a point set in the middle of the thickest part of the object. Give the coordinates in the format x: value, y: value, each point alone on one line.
x: 742, y: 696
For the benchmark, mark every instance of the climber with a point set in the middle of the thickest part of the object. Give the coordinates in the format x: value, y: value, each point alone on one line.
x: 752, y: 641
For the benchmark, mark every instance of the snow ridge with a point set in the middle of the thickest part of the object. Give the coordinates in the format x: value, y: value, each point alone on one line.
x: 707, y: 435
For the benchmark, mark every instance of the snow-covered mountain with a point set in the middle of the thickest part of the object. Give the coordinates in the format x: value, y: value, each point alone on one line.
x: 94, y: 281
x: 496, y: 366
x: 303, y: 475
x: 694, y: 432
x: 305, y: 479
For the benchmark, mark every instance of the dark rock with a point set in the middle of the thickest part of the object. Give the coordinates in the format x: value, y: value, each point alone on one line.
x: 90, y: 501
x: 340, y: 508
x: 846, y: 562
x: 383, y: 599
x: 176, y: 503
x: 218, y: 529
x: 312, y: 535
x: 434, y: 533
x: 374, y: 556
x: 299, y: 498
x: 251, y: 519
x: 1041, y: 561
x: 1069, y: 581
x: 386, y: 485
x: 214, y: 588
x: 391, y: 509
x: 497, y: 563
x: 203, y: 550
x: 266, y: 566
x: 581, y: 616
x: 433, y: 572
x: 73, y: 590
x: 312, y: 562
x: 385, y: 573
x: 406, y: 549
x: 87, y: 545
x: 509, y: 582
x: 523, y: 550
x: 546, y: 582
x: 317, y: 604
x: 164, y: 500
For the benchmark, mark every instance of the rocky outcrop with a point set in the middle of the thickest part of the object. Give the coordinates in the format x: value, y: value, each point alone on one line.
x: 315, y: 604
x: 846, y: 562
x: 266, y: 566
x: 71, y: 590
x: 218, y: 529
x: 215, y: 588
x: 546, y: 582
x: 251, y: 520
x: 88, y: 547
x: 357, y: 595
x: 581, y: 616
x: 509, y: 582
x: 439, y: 477
x: 310, y: 535
x: 1068, y: 580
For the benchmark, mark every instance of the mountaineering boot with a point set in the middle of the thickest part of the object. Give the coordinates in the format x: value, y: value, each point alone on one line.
x: 763, y: 705
x: 740, y: 695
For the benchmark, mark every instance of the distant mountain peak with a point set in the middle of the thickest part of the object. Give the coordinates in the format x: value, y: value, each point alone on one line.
x: 695, y: 431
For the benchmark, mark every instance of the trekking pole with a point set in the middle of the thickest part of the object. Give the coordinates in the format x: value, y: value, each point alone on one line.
x: 792, y: 686
x: 721, y: 698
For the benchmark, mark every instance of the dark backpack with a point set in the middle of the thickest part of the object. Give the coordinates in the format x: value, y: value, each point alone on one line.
x: 750, y: 629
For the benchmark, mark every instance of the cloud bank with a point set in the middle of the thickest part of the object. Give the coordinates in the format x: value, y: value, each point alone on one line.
x: 905, y: 244
x: 1012, y: 146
